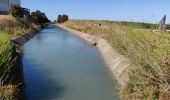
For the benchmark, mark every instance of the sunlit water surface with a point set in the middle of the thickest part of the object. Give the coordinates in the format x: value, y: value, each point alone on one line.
x: 59, y: 66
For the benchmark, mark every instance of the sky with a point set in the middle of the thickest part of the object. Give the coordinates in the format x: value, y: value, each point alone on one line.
x: 150, y: 11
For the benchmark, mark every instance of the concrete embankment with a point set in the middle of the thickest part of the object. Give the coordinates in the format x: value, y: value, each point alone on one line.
x: 117, y: 63
x: 15, y: 73
x: 21, y: 40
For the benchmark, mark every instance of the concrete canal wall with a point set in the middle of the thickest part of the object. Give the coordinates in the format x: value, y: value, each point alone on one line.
x: 118, y: 64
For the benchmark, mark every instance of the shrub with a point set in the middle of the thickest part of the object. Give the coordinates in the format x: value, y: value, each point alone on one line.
x: 59, y: 19
x: 40, y: 17
x: 62, y: 18
x: 17, y: 11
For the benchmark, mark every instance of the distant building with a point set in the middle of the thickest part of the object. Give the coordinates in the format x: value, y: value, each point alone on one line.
x: 5, y: 5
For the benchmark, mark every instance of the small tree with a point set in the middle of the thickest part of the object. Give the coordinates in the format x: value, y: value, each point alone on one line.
x: 59, y: 19
x: 62, y: 18
x: 65, y: 18
x: 40, y: 17
x: 17, y: 11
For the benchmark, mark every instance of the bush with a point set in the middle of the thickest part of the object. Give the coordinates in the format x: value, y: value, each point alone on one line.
x: 40, y: 17
x: 59, y: 19
x: 17, y: 11
x: 62, y: 18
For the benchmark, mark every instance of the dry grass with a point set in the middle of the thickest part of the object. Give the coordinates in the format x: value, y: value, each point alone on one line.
x: 15, y: 26
x: 8, y: 24
x: 149, y: 51
x: 10, y: 27
x: 85, y: 26
x: 7, y: 92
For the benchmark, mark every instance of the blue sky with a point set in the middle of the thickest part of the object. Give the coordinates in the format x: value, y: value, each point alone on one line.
x: 121, y: 10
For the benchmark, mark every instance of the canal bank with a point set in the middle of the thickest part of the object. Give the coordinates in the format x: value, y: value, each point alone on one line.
x: 118, y: 64
x: 58, y: 66
x: 15, y: 74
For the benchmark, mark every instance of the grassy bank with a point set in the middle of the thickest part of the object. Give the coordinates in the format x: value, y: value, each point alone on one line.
x: 9, y: 82
x: 6, y: 62
x: 147, y: 50
x: 16, y: 26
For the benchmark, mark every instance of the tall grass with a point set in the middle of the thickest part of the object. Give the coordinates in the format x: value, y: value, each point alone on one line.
x: 12, y: 26
x: 148, y: 51
x: 6, y: 62
x: 15, y: 26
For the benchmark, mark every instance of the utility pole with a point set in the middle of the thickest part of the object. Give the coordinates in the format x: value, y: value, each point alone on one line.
x: 8, y: 5
x: 162, y: 24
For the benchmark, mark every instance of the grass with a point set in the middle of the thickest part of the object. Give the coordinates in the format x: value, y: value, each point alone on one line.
x: 16, y: 26
x: 148, y: 51
x: 10, y: 27
x: 6, y: 91
x: 5, y: 50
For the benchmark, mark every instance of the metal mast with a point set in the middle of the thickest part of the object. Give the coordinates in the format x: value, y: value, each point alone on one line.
x: 8, y: 4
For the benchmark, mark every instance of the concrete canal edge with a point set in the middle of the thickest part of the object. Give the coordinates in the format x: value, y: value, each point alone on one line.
x: 118, y: 64
x: 16, y: 72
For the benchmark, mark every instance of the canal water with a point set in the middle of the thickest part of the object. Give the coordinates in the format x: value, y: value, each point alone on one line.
x: 59, y: 66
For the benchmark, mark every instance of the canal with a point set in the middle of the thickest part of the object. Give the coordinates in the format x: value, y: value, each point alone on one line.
x: 59, y: 66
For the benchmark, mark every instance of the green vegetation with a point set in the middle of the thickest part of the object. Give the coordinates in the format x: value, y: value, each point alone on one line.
x: 6, y: 62
x: 11, y: 26
x: 139, y: 25
x: 40, y: 17
x: 62, y: 18
x: 168, y: 27
x: 15, y: 26
x: 147, y: 50
x: 17, y: 11
x: 5, y: 51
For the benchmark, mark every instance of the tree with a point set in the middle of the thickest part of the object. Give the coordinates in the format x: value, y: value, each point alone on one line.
x: 59, y: 19
x: 40, y: 17
x: 17, y: 11
x: 62, y: 18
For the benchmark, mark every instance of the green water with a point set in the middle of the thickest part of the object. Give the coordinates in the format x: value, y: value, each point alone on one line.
x: 59, y: 66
